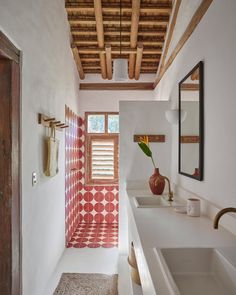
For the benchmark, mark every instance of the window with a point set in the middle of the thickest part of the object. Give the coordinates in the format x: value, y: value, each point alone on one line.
x: 102, y: 148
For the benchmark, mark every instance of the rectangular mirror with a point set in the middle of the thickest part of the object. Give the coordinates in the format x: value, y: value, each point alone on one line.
x: 191, y: 123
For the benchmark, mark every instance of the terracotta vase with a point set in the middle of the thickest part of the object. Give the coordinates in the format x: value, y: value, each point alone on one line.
x: 157, y: 182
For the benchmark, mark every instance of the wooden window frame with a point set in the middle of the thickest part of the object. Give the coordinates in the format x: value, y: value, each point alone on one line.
x: 89, y: 137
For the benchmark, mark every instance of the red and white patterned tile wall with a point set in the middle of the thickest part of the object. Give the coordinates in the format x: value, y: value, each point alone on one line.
x: 84, y: 204
x: 71, y: 173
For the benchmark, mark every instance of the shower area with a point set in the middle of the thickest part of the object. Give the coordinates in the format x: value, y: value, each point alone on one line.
x: 91, y: 180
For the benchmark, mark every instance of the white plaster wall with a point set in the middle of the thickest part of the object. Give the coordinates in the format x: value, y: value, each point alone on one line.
x: 213, y: 42
x: 97, y: 78
x: 109, y: 100
x: 40, y: 30
x: 140, y: 117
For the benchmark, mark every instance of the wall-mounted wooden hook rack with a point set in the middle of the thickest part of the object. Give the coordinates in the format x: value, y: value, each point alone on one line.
x: 60, y: 124
x: 49, y: 119
x: 50, y: 122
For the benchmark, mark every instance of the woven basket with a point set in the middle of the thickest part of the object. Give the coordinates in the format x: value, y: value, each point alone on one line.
x: 132, y: 257
x: 134, y: 267
x: 134, y: 274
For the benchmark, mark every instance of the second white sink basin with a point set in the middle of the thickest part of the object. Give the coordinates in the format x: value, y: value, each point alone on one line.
x: 155, y: 202
x: 197, y: 271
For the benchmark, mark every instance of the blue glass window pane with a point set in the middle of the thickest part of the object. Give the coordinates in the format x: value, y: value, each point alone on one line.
x: 96, y: 124
x: 113, y: 123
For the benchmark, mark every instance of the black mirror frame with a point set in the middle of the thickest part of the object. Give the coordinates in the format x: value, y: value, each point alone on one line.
x: 200, y: 65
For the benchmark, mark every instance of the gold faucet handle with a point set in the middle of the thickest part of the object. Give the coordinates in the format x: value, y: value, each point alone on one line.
x: 171, y: 197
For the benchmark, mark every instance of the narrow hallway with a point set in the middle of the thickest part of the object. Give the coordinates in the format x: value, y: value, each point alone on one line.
x: 84, y: 260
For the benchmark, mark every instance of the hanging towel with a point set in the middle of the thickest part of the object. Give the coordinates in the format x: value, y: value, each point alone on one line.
x: 52, y: 145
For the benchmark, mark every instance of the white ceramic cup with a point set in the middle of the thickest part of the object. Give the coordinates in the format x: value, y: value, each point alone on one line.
x: 193, y: 207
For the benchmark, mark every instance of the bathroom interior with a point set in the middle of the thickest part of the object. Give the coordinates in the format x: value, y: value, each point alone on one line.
x: 144, y: 186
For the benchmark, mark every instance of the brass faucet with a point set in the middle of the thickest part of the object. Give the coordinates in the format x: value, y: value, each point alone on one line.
x: 170, y: 193
x: 220, y: 213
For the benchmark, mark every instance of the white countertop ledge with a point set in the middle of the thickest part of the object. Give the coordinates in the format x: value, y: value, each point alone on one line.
x: 164, y: 228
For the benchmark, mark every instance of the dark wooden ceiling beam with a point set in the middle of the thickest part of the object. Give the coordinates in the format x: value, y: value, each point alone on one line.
x: 169, y: 33
x: 96, y: 63
x: 92, y: 71
x: 116, y: 50
x: 100, y: 35
x: 96, y: 59
x: 78, y: 61
x: 116, y: 38
x: 134, y: 35
x: 142, y: 33
x: 108, y: 61
x: 151, y: 9
x: 115, y: 20
x: 116, y: 86
x: 117, y: 43
x: 138, y: 61
x: 114, y: 7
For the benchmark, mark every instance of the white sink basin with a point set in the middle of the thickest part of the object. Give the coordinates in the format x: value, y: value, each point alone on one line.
x: 197, y: 271
x: 154, y: 202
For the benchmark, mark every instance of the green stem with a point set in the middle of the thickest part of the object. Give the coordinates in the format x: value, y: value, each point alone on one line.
x: 153, y: 162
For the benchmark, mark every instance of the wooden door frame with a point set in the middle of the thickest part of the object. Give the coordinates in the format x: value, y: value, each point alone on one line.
x: 12, y: 176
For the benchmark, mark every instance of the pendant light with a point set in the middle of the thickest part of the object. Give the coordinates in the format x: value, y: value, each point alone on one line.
x: 120, y: 65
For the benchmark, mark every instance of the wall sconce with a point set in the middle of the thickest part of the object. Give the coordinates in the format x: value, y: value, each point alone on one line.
x: 172, y: 116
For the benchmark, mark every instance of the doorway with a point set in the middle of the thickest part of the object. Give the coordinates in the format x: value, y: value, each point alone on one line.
x: 10, y: 219
x: 91, y: 190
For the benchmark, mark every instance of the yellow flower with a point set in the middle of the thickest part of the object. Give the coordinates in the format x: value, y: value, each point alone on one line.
x: 144, y: 140
x: 144, y: 145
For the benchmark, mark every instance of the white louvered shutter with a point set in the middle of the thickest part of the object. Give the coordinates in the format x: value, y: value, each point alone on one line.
x: 102, y: 159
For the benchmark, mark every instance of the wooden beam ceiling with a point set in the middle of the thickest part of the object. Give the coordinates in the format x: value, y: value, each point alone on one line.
x: 95, y: 29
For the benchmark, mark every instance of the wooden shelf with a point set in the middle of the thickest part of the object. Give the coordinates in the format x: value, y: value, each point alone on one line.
x: 151, y: 138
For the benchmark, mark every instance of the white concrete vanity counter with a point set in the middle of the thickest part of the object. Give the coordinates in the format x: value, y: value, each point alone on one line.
x: 160, y: 228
